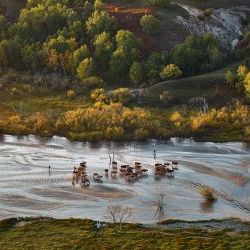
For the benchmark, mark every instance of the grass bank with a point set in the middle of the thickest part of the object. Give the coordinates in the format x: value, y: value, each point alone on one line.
x: 45, y: 109
x: 79, y: 234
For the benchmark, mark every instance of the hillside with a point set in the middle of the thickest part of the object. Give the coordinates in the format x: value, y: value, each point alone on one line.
x: 83, y: 60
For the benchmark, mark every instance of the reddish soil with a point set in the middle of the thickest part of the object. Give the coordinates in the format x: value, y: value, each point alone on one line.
x: 129, y: 18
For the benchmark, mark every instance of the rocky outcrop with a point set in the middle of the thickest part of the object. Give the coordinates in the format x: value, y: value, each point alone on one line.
x: 225, y: 24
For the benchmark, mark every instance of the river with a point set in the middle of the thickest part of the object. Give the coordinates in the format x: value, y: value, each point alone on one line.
x: 29, y: 188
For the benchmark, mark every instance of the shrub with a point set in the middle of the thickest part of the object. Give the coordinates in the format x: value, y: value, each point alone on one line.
x: 170, y: 72
x: 71, y: 93
x: 121, y: 95
x: 92, y: 82
x: 141, y: 134
x: 99, y: 95
x: 176, y: 118
x: 165, y: 97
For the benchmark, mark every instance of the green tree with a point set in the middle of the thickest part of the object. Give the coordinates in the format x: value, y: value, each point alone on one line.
x: 150, y: 24
x: 154, y: 65
x: 9, y: 54
x: 230, y: 78
x: 128, y: 51
x: 85, y: 69
x: 99, y: 22
x: 170, y: 72
x: 32, y: 56
x: 104, y: 47
x: 3, y: 24
x: 88, y: 9
x: 118, y: 64
x: 79, y: 55
x: 197, y: 54
x: 136, y: 72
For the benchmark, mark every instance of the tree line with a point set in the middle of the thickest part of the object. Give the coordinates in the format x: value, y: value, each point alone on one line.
x: 82, y: 40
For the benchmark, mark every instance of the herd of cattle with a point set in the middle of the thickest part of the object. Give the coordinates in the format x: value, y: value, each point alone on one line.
x: 129, y: 173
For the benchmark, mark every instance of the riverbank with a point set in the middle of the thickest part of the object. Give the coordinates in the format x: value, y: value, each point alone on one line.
x: 79, y: 119
x: 48, y: 233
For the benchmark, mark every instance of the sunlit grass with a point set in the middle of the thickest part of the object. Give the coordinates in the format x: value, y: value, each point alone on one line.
x: 80, y: 234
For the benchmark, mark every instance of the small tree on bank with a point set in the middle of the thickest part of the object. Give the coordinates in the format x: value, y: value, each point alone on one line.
x: 119, y: 214
x: 171, y: 72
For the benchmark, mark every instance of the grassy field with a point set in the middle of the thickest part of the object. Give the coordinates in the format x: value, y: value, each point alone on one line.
x: 79, y: 234
x: 210, y: 85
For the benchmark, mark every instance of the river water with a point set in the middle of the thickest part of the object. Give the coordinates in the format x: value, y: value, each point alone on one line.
x: 29, y: 188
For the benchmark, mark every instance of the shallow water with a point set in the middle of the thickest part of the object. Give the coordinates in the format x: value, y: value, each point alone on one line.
x: 28, y: 188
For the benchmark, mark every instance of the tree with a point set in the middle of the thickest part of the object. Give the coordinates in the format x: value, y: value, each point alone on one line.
x: 9, y: 54
x: 247, y: 85
x: 59, y: 53
x: 79, y: 55
x: 85, y: 69
x: 136, y: 72
x: 3, y: 24
x: 119, y: 214
x: 99, y: 22
x: 170, y: 72
x: 118, y: 64
x: 99, y: 5
x: 197, y: 54
x: 230, y: 78
x: 154, y: 65
x: 128, y: 50
x: 150, y: 24
x: 242, y: 73
x: 32, y: 56
x: 128, y: 42
x: 104, y: 47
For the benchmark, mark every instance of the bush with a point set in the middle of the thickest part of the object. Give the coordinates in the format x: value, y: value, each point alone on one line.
x: 71, y: 93
x: 165, y: 97
x: 121, y: 95
x: 92, y: 82
x: 170, y: 72
x: 150, y: 25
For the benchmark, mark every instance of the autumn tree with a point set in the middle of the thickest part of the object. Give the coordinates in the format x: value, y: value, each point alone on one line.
x: 170, y: 72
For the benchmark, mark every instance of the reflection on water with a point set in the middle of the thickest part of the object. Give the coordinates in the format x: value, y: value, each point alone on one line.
x: 28, y: 187
x: 207, y: 205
